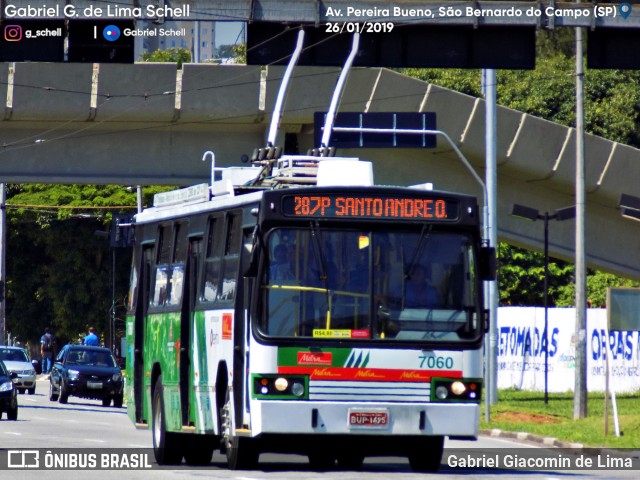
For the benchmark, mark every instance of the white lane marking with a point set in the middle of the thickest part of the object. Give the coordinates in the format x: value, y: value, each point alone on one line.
x: 94, y: 440
x: 13, y: 433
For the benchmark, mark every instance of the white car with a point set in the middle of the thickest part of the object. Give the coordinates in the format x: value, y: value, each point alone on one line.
x: 16, y: 359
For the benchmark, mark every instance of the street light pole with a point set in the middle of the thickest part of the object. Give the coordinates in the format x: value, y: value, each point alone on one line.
x: 561, y: 214
x: 546, y: 307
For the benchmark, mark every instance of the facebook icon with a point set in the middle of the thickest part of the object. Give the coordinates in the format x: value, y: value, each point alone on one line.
x: 111, y: 33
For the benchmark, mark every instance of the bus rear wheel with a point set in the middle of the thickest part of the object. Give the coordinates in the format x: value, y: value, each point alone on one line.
x: 167, y: 447
x: 426, y: 454
x: 242, y: 452
x: 200, y: 449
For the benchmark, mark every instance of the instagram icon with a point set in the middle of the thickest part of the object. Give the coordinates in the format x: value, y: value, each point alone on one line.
x: 13, y: 33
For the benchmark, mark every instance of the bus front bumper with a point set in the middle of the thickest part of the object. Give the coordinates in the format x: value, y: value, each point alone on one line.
x: 451, y: 419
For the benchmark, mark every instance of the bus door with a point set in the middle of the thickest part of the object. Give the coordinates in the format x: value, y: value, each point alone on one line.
x: 186, y: 320
x: 141, y: 314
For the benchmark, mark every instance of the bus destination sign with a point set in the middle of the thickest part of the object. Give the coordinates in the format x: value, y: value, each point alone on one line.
x: 392, y: 207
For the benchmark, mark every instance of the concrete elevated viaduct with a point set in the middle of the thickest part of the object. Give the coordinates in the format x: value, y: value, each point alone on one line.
x: 150, y: 124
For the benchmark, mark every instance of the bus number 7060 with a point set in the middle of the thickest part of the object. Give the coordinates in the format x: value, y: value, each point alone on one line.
x: 435, y: 362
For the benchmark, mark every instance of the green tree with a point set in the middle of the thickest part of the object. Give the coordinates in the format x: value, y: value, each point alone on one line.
x: 521, y: 277
x: 170, y: 55
x: 240, y: 53
x: 612, y: 110
x: 612, y: 97
x: 597, y: 285
x: 59, y: 272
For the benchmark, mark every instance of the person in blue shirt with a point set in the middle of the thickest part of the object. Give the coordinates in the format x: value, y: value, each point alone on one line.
x: 47, y: 344
x: 91, y: 338
x: 419, y: 292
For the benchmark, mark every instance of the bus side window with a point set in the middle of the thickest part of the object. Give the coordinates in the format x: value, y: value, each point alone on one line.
x: 233, y: 243
x: 160, y: 286
x: 169, y: 270
x: 176, y: 274
x: 161, y: 277
x: 213, y: 261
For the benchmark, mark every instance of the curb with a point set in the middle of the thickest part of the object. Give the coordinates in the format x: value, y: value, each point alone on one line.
x: 554, y: 442
x: 530, y: 437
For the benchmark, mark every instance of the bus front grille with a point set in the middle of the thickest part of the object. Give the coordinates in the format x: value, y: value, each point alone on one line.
x: 369, y: 391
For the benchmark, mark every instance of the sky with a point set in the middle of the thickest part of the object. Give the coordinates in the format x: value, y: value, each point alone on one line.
x: 228, y: 33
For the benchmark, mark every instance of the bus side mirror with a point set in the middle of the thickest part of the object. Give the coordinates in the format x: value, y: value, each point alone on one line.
x: 249, y: 255
x: 487, y: 263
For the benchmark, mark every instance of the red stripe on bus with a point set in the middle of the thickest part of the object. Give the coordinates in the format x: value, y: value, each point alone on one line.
x: 369, y: 374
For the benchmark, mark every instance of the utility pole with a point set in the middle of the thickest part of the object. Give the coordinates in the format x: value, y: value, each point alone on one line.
x: 196, y: 42
x: 580, y: 388
x: 3, y: 270
x: 139, y: 197
x: 491, y: 226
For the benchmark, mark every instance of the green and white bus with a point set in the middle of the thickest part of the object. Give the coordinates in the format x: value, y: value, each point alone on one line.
x: 283, y: 314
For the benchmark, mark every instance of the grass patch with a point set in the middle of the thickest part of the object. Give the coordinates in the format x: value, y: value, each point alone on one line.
x: 519, y: 411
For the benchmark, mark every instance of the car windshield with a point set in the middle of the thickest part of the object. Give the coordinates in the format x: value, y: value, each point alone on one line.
x: 13, y: 355
x: 384, y: 285
x: 90, y: 358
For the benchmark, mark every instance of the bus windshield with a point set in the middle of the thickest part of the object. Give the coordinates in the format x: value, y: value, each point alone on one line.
x: 417, y: 285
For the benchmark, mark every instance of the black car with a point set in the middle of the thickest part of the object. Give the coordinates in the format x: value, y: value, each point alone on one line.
x: 86, y: 372
x: 8, y: 393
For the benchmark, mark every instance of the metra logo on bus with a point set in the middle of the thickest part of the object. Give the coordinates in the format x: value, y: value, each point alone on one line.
x: 413, y: 375
x: 313, y: 358
x: 526, y: 341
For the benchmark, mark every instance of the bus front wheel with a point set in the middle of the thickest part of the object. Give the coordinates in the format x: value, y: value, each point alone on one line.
x: 242, y: 452
x: 167, y: 447
x: 426, y: 454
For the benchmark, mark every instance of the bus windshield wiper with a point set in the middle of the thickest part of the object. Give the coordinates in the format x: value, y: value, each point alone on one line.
x: 317, y: 250
x: 422, y: 242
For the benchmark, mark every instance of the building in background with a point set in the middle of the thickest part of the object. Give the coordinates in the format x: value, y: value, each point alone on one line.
x: 203, y: 39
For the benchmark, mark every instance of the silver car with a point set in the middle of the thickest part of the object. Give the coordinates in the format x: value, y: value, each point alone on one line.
x: 16, y: 359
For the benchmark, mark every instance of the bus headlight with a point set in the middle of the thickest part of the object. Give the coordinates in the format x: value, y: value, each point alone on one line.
x: 442, y: 392
x: 280, y: 387
x: 456, y: 390
x: 297, y: 389
x: 281, y: 384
